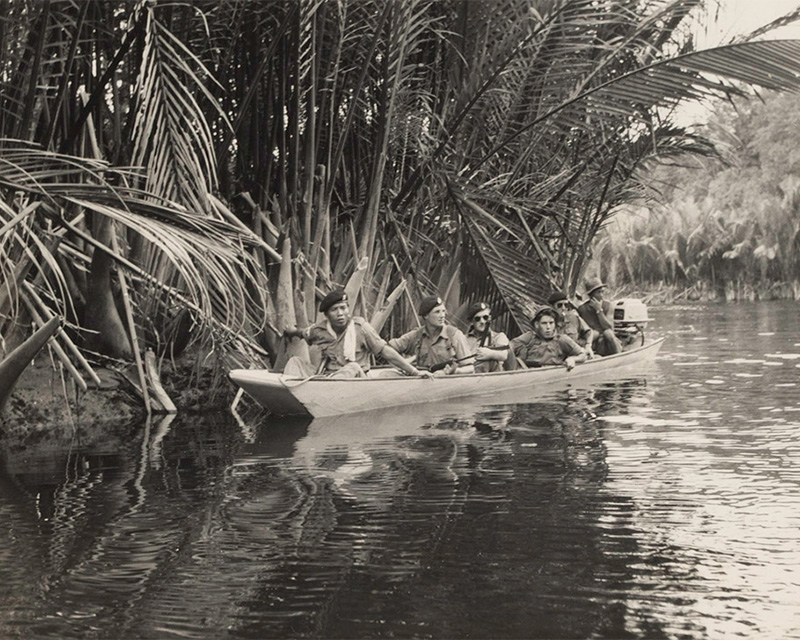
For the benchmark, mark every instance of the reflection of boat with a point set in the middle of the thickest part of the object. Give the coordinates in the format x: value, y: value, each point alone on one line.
x: 402, y: 422
x: 12, y: 366
x: 319, y: 396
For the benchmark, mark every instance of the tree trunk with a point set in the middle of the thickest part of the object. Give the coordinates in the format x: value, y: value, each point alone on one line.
x: 102, y: 316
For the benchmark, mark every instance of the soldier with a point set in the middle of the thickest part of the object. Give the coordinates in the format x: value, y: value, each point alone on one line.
x: 345, y: 343
x: 544, y: 346
x: 436, y: 343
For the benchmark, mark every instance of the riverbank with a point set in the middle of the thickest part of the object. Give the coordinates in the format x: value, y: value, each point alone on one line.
x: 46, y: 398
x: 664, y: 294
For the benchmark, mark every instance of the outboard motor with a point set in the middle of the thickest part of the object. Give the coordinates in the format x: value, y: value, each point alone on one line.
x: 630, y: 319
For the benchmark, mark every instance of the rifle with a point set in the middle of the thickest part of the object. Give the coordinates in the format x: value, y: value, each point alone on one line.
x: 441, y: 365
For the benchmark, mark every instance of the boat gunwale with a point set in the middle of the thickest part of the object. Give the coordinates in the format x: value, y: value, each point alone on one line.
x: 291, y: 381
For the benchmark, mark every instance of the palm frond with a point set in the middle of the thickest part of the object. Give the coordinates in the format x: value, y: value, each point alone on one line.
x: 220, y: 279
x: 172, y: 138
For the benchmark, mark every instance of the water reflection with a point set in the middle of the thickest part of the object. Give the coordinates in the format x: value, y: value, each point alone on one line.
x: 439, y: 523
x: 194, y: 526
x: 663, y: 506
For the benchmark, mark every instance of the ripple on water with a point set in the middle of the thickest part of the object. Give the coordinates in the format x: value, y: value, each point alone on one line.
x: 660, y: 507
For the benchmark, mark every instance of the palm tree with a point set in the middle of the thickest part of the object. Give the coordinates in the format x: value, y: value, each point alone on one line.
x: 102, y: 96
x: 164, y: 156
x: 727, y: 226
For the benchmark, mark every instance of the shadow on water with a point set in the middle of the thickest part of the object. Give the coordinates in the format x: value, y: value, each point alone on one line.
x: 431, y: 522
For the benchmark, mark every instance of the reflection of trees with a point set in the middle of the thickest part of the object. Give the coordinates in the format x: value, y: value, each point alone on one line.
x: 52, y: 482
x: 289, y: 539
x: 109, y: 528
x: 530, y: 550
x: 63, y: 490
x: 497, y: 524
x: 22, y: 554
x: 467, y: 530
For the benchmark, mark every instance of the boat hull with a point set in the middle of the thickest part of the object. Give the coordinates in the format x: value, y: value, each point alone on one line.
x: 318, y: 397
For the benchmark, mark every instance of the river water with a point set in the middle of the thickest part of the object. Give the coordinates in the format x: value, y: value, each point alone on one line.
x: 661, y: 506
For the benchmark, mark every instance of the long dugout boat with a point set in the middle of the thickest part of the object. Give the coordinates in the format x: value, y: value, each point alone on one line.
x: 320, y: 396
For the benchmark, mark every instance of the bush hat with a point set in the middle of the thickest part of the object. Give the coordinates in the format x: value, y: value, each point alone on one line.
x: 335, y: 296
x: 427, y: 305
x: 593, y: 284
x: 475, y: 308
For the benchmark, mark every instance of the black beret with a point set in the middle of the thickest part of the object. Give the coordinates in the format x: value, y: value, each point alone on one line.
x: 476, y: 307
x: 427, y: 305
x: 337, y: 295
x: 557, y: 296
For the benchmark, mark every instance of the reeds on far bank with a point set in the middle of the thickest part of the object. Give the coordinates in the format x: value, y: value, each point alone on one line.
x: 664, y: 293
x: 693, y: 252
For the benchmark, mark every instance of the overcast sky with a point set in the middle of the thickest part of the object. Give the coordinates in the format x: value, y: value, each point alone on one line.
x: 737, y: 17
x: 743, y: 16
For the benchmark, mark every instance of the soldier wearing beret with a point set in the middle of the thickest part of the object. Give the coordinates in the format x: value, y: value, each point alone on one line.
x: 436, y: 342
x: 490, y: 347
x: 345, y: 343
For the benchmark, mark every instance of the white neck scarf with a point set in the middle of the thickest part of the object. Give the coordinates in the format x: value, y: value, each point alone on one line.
x: 349, y: 343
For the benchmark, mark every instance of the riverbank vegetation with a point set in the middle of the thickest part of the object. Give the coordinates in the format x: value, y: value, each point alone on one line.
x: 200, y: 174
x: 725, y: 227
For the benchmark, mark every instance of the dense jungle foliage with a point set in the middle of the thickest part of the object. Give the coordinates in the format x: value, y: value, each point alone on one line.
x: 721, y: 227
x: 202, y: 172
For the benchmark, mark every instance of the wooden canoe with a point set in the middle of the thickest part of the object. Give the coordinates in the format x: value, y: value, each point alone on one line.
x: 319, y: 396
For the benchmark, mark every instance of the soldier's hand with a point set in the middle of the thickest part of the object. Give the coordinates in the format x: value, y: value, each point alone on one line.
x: 291, y: 332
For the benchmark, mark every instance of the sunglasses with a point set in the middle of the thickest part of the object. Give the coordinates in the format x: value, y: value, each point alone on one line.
x: 565, y: 305
x: 486, y: 317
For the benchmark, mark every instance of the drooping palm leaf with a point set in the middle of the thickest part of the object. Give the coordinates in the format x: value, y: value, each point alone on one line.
x: 172, y: 138
x: 222, y: 283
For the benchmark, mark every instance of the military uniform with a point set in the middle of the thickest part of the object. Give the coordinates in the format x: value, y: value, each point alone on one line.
x: 538, y: 352
x: 450, y: 344
x: 494, y: 339
x: 602, y: 321
x: 575, y: 327
x: 346, y: 355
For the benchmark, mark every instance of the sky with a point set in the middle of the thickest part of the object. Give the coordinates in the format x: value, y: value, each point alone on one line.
x: 743, y: 16
x: 737, y: 17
